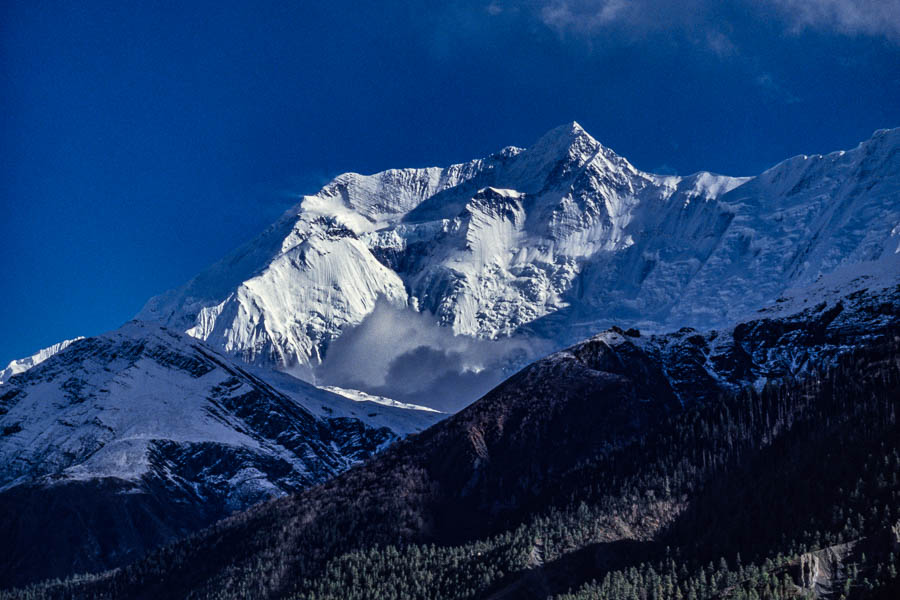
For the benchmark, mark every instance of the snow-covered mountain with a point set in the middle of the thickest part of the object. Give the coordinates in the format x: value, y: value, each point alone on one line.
x: 168, y: 435
x: 434, y: 284
x: 553, y: 242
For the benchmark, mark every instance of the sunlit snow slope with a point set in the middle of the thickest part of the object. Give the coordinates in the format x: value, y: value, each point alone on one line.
x: 555, y: 241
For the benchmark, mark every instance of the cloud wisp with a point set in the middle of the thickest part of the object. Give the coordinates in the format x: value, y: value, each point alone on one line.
x: 407, y: 356
x: 849, y: 17
x: 592, y: 17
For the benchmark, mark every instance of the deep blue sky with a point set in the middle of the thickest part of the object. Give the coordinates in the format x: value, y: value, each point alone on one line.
x: 142, y: 141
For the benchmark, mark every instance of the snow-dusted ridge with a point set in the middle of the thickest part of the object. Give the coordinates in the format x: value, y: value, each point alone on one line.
x: 104, y: 406
x: 21, y: 365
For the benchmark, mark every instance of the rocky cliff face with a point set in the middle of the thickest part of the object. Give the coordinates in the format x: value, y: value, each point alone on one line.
x: 842, y: 570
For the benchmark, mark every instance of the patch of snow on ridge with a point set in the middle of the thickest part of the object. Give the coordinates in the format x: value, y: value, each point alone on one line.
x: 358, y: 396
x: 23, y: 364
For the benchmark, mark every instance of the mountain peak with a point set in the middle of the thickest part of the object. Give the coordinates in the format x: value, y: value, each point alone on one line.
x: 565, y: 136
x: 575, y: 127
